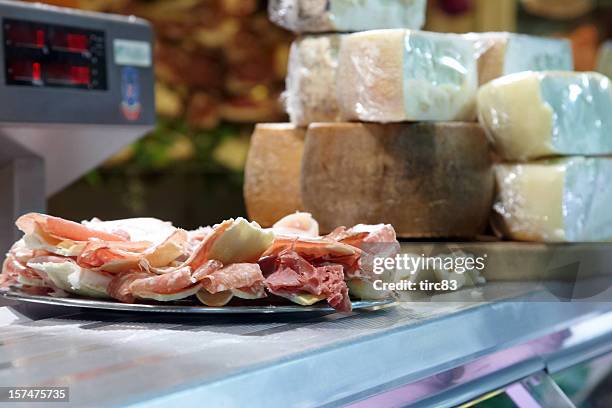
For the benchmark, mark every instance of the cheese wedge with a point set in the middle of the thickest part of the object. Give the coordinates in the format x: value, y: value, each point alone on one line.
x: 604, y: 59
x: 501, y: 54
x: 272, y: 173
x: 403, y: 75
x: 538, y: 114
x: 311, y: 80
x: 317, y: 16
x: 427, y: 180
x: 562, y: 200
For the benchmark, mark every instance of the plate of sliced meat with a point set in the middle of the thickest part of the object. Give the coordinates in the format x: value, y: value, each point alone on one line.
x: 148, y: 265
x: 186, y: 306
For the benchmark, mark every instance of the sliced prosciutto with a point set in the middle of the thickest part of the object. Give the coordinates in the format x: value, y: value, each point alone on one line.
x: 298, y: 224
x: 119, y: 286
x: 294, y: 275
x: 234, y: 276
x: 144, y: 259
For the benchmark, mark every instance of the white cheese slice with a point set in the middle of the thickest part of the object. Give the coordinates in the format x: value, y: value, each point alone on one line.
x: 72, y: 278
x: 538, y: 114
x: 403, y: 75
x: 317, y: 16
x: 562, y: 200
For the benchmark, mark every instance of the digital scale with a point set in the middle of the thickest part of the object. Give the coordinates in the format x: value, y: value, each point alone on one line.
x: 75, y: 88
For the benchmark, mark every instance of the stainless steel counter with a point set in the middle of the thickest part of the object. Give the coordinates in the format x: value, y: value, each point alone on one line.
x: 421, y: 353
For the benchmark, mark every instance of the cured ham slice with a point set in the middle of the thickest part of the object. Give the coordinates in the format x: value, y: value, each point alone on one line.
x: 174, y: 285
x: 60, y: 229
x: 166, y: 284
x: 15, y: 268
x: 119, y: 286
x: 298, y: 224
x: 364, y: 234
x: 121, y: 256
x: 17, y: 272
x: 295, y: 275
x: 235, y: 276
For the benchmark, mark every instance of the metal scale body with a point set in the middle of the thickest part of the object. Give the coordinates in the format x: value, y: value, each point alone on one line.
x: 75, y: 87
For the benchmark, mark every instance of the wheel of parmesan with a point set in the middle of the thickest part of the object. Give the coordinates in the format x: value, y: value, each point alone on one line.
x: 272, y: 173
x: 427, y: 180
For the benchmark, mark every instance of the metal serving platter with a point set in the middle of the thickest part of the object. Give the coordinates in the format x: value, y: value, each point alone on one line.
x: 183, y: 307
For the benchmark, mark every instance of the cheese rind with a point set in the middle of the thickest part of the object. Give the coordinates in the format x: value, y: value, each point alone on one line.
x: 311, y: 80
x: 539, y: 114
x: 317, y: 16
x: 404, y: 75
x: 563, y: 200
x: 427, y: 180
x: 272, y: 173
x: 501, y: 54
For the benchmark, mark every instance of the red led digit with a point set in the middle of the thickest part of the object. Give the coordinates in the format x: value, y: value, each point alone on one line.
x: 40, y: 38
x: 36, y: 72
x: 79, y: 75
x: 76, y: 42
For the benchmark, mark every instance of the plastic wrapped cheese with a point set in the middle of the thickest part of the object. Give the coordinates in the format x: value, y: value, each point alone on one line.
x: 428, y: 180
x: 539, y: 114
x: 311, y: 80
x: 560, y: 200
x: 272, y: 173
x: 318, y: 16
x: 501, y: 54
x: 403, y: 75
x: 604, y: 59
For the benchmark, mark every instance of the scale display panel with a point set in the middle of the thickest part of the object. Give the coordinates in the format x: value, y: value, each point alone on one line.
x: 48, y: 55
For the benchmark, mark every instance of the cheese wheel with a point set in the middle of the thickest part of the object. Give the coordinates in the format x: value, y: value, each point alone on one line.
x: 311, y: 80
x: 501, y: 54
x: 562, y: 200
x: 538, y: 114
x: 318, y: 16
x: 427, y: 180
x: 272, y: 173
x: 403, y: 75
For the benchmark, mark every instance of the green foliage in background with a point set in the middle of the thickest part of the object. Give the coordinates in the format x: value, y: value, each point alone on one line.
x: 174, y: 147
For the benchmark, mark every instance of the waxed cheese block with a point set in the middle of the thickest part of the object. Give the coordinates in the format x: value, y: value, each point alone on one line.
x: 540, y: 114
x: 403, y: 75
x: 427, y: 180
x: 272, y: 173
x: 311, y: 80
x: 559, y: 200
x: 501, y: 54
x: 318, y: 16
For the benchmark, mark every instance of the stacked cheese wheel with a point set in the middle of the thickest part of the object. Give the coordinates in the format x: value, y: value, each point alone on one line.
x: 384, y: 120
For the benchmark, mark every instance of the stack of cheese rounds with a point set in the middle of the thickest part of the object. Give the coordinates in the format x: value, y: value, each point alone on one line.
x: 384, y: 120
